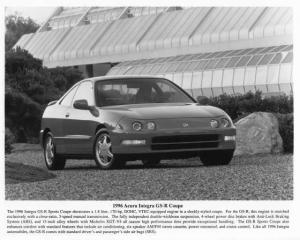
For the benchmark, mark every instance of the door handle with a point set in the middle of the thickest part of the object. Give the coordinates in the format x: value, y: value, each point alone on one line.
x: 67, y: 115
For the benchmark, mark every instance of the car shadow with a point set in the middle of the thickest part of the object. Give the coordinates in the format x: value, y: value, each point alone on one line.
x: 20, y: 173
x: 138, y: 165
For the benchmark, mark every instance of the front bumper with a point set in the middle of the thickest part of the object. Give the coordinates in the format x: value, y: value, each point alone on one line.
x: 187, y: 145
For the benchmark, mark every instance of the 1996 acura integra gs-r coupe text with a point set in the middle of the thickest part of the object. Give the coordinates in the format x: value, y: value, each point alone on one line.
x: 122, y: 118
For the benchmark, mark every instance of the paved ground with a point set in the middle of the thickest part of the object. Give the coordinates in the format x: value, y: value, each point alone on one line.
x: 264, y: 177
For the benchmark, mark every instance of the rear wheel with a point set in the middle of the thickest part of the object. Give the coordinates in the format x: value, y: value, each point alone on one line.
x: 52, y: 160
x: 150, y: 163
x: 220, y: 157
x: 104, y: 157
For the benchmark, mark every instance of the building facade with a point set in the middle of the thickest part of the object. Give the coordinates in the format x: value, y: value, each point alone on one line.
x: 206, y: 50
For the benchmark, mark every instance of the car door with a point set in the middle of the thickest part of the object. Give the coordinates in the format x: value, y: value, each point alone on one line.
x: 61, y: 110
x: 79, y: 125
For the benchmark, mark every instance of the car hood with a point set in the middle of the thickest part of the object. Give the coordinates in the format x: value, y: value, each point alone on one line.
x: 162, y: 111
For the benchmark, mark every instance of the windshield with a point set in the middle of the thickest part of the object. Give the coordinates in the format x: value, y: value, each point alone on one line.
x: 138, y: 91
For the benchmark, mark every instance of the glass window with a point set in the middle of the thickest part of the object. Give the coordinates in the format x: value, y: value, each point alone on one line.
x: 266, y: 59
x: 232, y: 62
x: 147, y: 69
x: 206, y: 81
x: 196, y: 84
x: 178, y: 79
x: 288, y: 48
x: 205, y: 55
x: 236, y: 52
x: 191, y: 66
x: 138, y: 91
x: 267, y: 49
x: 169, y: 77
x: 217, y: 82
x: 228, y: 81
x: 255, y: 50
x: 279, y: 48
x: 222, y: 63
x: 217, y: 78
x: 85, y: 91
x: 261, y: 75
x: 254, y: 60
x: 288, y: 58
x: 172, y: 67
x: 187, y: 81
x: 212, y: 63
x: 277, y: 58
x: 273, y: 76
x: 239, y: 74
x: 228, y: 77
x: 182, y: 66
x: 246, y: 51
x: 155, y: 69
x: 67, y: 99
x: 213, y: 55
x: 238, y: 80
x: 285, y: 73
x: 250, y: 76
x: 249, y: 83
x: 201, y: 65
x: 243, y: 61
x: 164, y: 67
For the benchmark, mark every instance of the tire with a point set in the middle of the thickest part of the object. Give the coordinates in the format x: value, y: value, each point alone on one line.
x: 150, y: 163
x: 213, y: 158
x: 52, y: 160
x: 103, y: 155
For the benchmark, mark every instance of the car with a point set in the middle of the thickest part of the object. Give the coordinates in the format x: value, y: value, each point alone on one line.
x: 115, y: 119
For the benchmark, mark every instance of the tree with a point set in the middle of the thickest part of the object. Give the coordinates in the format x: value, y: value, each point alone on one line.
x: 16, y: 26
x: 28, y: 88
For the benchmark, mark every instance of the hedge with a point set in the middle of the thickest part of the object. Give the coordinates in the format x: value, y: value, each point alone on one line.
x: 238, y: 105
x: 9, y: 140
x: 286, y: 131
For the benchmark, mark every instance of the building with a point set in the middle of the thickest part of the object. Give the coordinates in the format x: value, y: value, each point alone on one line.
x: 205, y: 50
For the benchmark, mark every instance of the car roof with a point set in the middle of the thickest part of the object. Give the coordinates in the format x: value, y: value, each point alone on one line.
x: 94, y: 79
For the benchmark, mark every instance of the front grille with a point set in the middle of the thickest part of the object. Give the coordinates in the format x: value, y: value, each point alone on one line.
x: 186, y: 138
x: 185, y: 142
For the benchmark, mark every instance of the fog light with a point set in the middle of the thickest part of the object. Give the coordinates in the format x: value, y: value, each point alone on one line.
x: 137, y: 126
x: 150, y: 125
x: 225, y: 122
x: 214, y: 123
x: 133, y: 142
x: 229, y: 138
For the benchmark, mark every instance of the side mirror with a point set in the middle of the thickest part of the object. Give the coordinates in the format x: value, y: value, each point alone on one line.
x: 81, y: 104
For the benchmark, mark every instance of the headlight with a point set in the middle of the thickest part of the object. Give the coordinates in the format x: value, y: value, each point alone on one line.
x: 137, y: 126
x: 214, y: 123
x: 225, y: 122
x: 150, y: 125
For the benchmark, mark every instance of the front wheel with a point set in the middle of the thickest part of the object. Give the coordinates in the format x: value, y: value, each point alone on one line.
x: 220, y: 157
x: 104, y: 157
x: 52, y: 160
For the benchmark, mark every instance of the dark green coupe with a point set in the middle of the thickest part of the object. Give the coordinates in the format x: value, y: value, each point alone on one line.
x: 124, y: 118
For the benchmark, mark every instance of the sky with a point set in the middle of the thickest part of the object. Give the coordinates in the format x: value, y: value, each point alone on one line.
x: 38, y: 14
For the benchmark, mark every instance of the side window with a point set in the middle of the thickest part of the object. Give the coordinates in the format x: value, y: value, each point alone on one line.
x: 85, y: 91
x: 67, y: 100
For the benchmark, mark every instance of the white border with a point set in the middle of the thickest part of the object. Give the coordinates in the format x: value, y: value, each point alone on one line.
x: 292, y: 233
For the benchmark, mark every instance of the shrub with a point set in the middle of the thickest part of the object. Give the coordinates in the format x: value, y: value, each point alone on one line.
x: 286, y: 130
x: 29, y: 87
x: 9, y: 140
x: 22, y: 116
x: 239, y: 105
